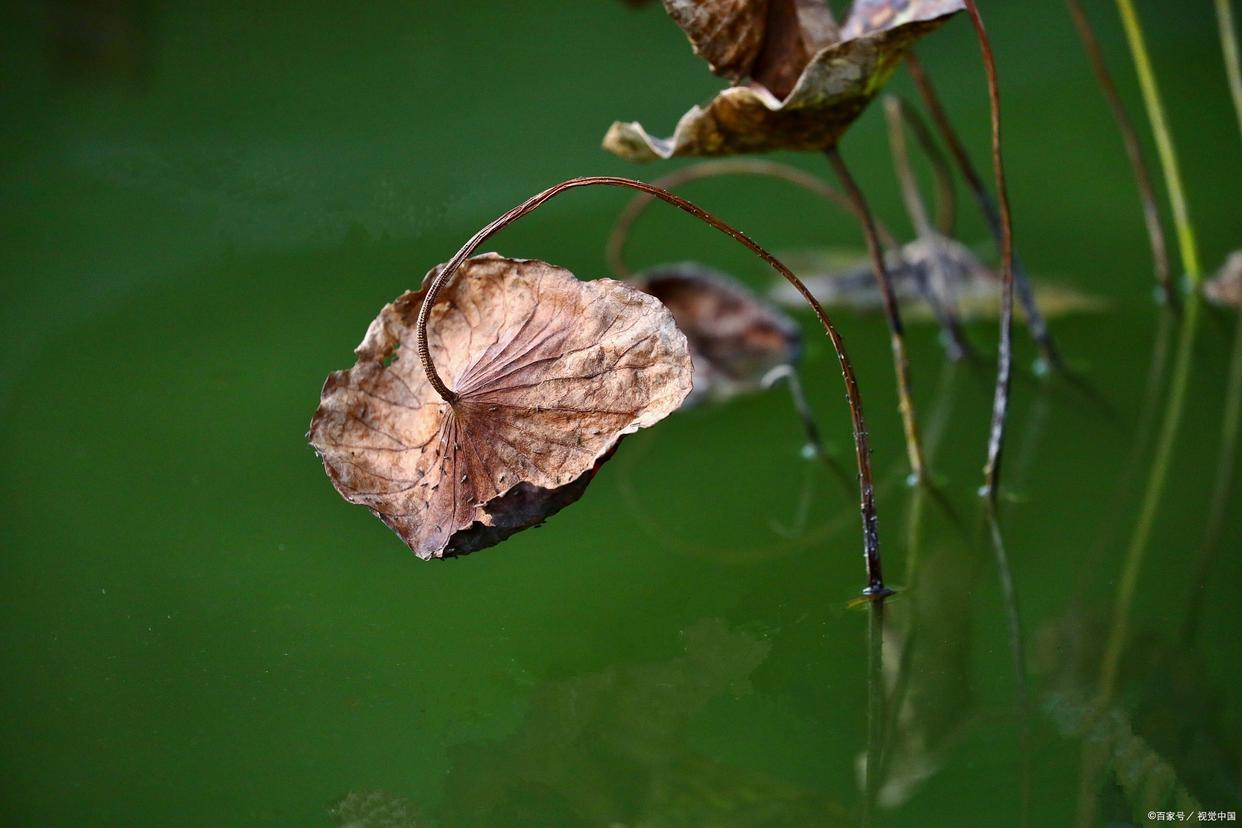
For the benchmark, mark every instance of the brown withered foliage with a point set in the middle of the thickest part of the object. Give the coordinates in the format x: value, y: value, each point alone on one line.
x: 549, y: 374
x: 1225, y: 288
x: 735, y: 338
x: 799, y: 79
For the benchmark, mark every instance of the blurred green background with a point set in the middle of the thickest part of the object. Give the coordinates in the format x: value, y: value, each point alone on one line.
x: 203, y: 205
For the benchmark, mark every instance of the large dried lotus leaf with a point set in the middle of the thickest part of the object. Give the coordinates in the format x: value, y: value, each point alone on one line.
x: 1225, y: 288
x: 735, y: 337
x: 832, y: 91
x: 550, y: 373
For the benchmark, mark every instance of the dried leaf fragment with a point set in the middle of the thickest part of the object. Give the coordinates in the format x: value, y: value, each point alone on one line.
x: 1225, y: 288
x: 799, y: 81
x: 550, y: 374
x: 735, y: 338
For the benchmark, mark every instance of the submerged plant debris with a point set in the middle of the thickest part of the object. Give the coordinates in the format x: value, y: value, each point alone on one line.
x: 800, y: 79
x: 549, y: 374
x: 839, y: 279
x: 735, y: 337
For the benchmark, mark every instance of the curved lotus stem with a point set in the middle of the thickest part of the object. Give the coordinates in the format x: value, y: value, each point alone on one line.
x: 1004, y: 362
x: 615, y: 247
x: 875, y: 588
x: 1142, y: 178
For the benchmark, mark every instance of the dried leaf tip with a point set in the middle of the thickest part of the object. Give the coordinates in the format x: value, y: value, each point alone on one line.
x: 1225, y: 288
x: 547, y: 373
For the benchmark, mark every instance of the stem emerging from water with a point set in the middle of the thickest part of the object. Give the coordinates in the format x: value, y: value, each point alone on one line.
x: 914, y: 446
x: 875, y: 588
x: 1004, y: 363
x: 1034, y: 319
x: 1151, y: 213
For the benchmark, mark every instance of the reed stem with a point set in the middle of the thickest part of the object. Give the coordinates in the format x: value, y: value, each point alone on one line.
x: 940, y: 295
x: 1142, y: 177
x: 1164, y: 141
x: 875, y: 589
x: 1229, y: 46
x: 914, y: 445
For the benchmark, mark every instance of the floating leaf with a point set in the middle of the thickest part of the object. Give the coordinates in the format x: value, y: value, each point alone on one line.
x: 1225, y: 288
x: 735, y: 338
x: 549, y: 374
x: 808, y: 80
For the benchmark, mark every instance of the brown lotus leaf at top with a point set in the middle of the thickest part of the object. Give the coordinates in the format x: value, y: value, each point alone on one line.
x: 1225, y: 288
x: 801, y: 80
x: 735, y: 338
x: 549, y: 374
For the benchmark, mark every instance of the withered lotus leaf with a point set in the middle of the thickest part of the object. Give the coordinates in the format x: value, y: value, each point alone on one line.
x: 1225, y: 288
x: 735, y: 338
x: 801, y: 80
x: 549, y: 374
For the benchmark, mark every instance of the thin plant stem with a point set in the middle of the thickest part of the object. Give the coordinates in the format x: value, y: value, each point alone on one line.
x: 1004, y: 362
x: 987, y: 206
x: 914, y: 446
x: 946, y: 193
x: 875, y: 588
x: 936, y: 424
x: 1229, y: 46
x: 1164, y: 141
x: 814, y: 446
x: 939, y: 296
x: 1167, y: 439
x: 614, y: 248
x: 1142, y: 177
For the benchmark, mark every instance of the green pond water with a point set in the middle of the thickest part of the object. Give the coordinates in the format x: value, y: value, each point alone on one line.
x: 201, y: 216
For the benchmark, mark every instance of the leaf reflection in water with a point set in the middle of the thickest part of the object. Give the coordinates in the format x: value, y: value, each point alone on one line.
x: 609, y: 748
